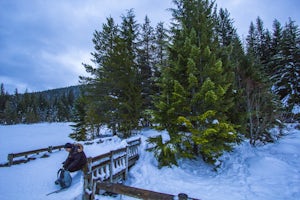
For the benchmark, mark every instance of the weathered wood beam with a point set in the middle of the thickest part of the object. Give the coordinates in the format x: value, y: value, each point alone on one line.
x: 138, y: 192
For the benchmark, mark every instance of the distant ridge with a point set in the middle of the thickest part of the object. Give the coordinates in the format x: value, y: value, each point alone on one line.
x: 58, y: 92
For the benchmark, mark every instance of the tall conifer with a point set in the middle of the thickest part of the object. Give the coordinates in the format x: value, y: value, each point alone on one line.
x: 146, y: 68
x: 192, y: 107
x: 261, y: 104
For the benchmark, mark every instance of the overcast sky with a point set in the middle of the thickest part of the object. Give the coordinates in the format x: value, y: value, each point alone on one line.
x: 44, y: 42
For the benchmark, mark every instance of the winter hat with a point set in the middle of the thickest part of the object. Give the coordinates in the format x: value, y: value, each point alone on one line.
x: 68, y: 145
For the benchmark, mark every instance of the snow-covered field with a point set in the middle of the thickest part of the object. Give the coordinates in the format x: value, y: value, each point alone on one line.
x: 270, y: 172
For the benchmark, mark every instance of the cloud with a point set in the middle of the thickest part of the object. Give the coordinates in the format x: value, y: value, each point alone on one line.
x: 11, y: 84
x: 68, y: 62
x: 44, y: 42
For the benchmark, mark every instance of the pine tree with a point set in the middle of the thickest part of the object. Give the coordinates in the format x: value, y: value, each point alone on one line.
x: 42, y: 107
x: 288, y: 87
x: 262, y: 106
x: 30, y: 114
x: 10, y: 113
x: 275, y: 52
x: 129, y: 97
x: 160, y: 58
x: 99, y: 91
x: 3, y: 102
x: 160, y: 51
x: 193, y: 107
x: 231, y: 52
x: 146, y: 68
x: 16, y: 102
x: 62, y: 109
x: 113, y: 92
x: 263, y: 43
x: 79, y: 126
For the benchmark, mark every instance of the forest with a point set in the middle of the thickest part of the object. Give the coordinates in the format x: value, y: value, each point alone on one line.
x: 195, y: 79
x: 47, y: 106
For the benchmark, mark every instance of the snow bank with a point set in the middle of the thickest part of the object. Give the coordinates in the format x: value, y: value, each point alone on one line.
x: 24, y: 137
x: 264, y: 173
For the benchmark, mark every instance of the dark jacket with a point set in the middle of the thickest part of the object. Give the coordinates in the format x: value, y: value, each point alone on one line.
x: 76, y: 159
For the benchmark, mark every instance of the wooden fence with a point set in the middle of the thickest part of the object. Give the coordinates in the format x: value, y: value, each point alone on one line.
x: 26, y: 154
x: 110, y: 167
x: 105, y: 171
x: 139, y: 193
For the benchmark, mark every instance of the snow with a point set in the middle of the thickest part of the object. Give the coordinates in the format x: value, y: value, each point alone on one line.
x: 296, y: 109
x: 19, y: 138
x: 267, y: 172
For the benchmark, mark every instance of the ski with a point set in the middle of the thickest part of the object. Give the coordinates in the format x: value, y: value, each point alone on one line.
x: 56, y: 191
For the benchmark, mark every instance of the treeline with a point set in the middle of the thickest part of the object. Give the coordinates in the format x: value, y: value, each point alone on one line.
x: 194, y: 79
x: 47, y: 106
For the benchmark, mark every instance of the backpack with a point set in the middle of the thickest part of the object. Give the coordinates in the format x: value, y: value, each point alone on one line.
x: 64, y: 178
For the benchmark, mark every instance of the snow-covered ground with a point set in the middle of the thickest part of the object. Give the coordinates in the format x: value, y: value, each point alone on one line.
x: 263, y: 173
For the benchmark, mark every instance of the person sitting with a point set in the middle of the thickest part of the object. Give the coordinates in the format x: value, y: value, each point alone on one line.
x: 76, y: 159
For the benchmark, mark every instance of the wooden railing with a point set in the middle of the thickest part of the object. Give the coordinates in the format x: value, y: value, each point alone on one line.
x: 110, y: 167
x: 139, y: 193
x: 104, y: 171
x: 26, y: 154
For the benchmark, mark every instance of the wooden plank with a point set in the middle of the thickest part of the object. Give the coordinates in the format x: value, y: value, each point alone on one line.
x: 25, y: 153
x: 96, y: 158
x: 11, y: 156
x: 119, y: 150
x: 133, y: 192
x: 100, y: 165
x: 138, y: 192
x: 132, y: 142
x: 58, y: 147
x: 132, y: 160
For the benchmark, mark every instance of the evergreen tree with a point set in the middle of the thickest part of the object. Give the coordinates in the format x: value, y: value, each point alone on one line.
x: 275, y: 52
x: 193, y: 104
x: 79, y: 126
x: 146, y: 68
x: 113, y: 92
x: 31, y: 115
x: 263, y: 42
x: 231, y: 52
x: 3, y: 102
x: 259, y: 46
x: 161, y: 43
x: 288, y: 86
x: 16, y: 102
x: 129, y: 97
x: 262, y: 106
x: 62, y: 109
x: 42, y: 107
x: 99, y: 94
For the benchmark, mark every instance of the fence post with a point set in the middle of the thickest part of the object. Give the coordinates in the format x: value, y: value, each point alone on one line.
x: 126, y: 162
x: 10, y: 158
x: 182, y: 196
x: 111, y: 166
x: 50, y: 149
x: 88, y: 180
